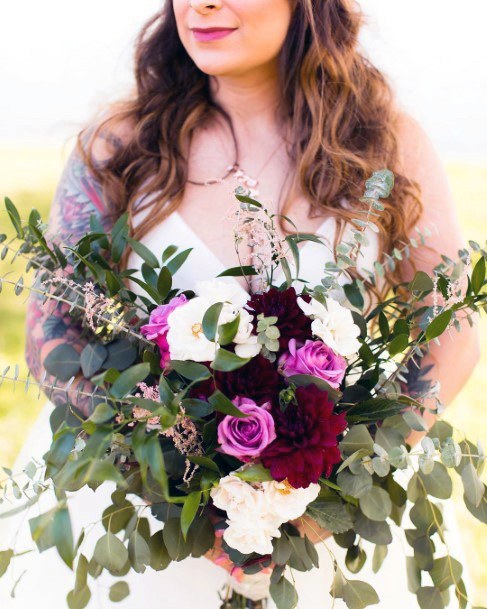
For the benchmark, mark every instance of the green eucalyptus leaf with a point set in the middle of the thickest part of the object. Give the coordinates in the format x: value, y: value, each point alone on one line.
x: 355, y: 559
x: 358, y: 437
x: 5, y: 558
x: 92, y: 358
x: 282, y: 550
x: 79, y: 599
x: 102, y: 413
x: 139, y: 552
x: 376, y: 504
x: 284, y: 594
x: 446, y: 572
x: 413, y: 574
x: 422, y: 282
x: 380, y: 554
x: 53, y: 529
x: 430, y: 598
x: 160, y: 558
x: 474, y: 489
x: 63, y: 362
x: 121, y: 354
x: 14, y: 217
x: 174, y: 540
x: 358, y: 594
x: 438, y: 483
x: 110, y: 552
x: 118, y: 592
x: 373, y: 531
x: 354, y: 295
x: 355, y: 485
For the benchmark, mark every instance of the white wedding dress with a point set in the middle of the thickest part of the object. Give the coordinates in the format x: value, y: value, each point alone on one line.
x: 192, y: 583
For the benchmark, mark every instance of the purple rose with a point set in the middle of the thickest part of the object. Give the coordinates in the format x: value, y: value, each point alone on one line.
x: 314, y: 358
x: 158, y: 326
x: 245, y: 438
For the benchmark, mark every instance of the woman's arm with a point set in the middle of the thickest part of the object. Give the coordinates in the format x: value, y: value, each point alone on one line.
x: 455, y: 358
x: 48, y: 325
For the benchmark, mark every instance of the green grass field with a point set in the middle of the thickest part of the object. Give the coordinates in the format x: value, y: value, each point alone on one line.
x: 29, y: 177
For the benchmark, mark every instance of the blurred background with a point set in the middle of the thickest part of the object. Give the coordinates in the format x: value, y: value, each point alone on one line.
x: 62, y: 61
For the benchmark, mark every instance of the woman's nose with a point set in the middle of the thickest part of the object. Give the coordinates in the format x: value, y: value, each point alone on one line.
x: 205, y: 6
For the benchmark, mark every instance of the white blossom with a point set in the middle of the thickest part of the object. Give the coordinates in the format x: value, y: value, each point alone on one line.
x: 334, y: 324
x: 286, y: 502
x: 185, y: 336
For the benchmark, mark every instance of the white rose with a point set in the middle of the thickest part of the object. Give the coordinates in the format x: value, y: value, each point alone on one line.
x: 248, y: 535
x: 287, y: 502
x: 333, y: 324
x: 185, y: 336
x: 234, y: 495
x: 222, y: 290
x: 255, y: 586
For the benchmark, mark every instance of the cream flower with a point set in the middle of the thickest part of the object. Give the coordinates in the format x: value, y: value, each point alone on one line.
x: 185, y: 336
x: 246, y: 342
x: 254, y: 586
x: 222, y: 290
x: 234, y: 495
x: 333, y: 324
x: 248, y: 535
x: 287, y: 502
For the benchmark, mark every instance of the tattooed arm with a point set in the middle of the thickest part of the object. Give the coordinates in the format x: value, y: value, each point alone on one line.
x: 78, y: 195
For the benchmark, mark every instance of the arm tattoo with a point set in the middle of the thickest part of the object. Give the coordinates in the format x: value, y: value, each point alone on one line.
x: 48, y: 325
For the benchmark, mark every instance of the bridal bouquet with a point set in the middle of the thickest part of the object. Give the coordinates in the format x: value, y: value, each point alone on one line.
x: 250, y: 422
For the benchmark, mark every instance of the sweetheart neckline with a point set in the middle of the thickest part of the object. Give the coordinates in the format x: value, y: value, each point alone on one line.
x: 278, y: 274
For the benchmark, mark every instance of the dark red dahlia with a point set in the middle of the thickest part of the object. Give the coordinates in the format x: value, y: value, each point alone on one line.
x: 292, y: 322
x: 257, y: 380
x: 306, y: 447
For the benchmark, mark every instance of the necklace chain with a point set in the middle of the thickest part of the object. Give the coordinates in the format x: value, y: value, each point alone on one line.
x: 240, y: 175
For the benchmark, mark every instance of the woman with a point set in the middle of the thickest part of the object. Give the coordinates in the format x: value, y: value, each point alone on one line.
x: 279, y: 90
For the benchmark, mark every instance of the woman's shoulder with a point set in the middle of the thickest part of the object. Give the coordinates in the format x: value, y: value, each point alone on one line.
x: 106, y: 136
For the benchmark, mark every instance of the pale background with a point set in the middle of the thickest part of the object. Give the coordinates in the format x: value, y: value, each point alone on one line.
x: 61, y: 61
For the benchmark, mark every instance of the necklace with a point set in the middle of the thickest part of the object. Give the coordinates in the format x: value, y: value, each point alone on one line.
x: 240, y: 175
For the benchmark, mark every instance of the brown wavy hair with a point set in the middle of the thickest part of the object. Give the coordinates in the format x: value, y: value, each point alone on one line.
x: 338, y: 109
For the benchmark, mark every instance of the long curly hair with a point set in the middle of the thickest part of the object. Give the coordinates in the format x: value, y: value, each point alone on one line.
x: 338, y: 109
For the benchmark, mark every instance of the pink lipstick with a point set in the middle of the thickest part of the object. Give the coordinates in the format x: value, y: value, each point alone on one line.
x: 212, y: 33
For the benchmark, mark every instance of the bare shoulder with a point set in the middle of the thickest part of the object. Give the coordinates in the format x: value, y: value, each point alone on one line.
x: 419, y: 161
x: 108, y: 136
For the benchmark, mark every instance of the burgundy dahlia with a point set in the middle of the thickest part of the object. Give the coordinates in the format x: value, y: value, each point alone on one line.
x: 258, y: 380
x: 292, y: 322
x: 306, y: 447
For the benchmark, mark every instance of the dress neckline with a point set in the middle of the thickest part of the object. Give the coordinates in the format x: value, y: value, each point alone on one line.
x: 278, y: 274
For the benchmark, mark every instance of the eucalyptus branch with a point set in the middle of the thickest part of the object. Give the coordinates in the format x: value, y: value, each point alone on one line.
x: 19, y: 286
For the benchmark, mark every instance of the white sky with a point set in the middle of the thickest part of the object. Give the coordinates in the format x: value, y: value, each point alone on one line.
x: 60, y: 60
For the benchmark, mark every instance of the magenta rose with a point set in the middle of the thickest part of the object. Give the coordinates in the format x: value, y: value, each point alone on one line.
x: 245, y: 438
x: 158, y: 326
x: 314, y: 358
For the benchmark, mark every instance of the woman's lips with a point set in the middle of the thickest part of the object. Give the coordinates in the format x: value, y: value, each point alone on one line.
x: 205, y: 35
